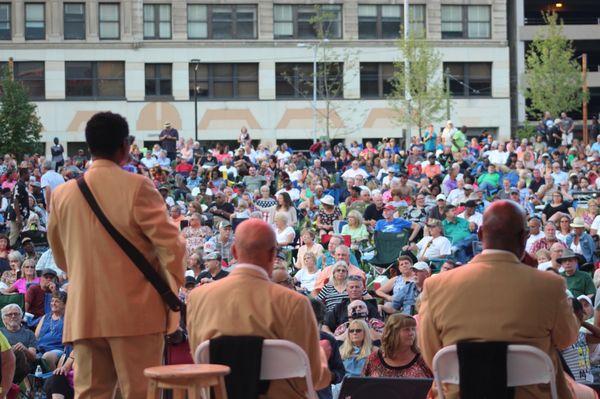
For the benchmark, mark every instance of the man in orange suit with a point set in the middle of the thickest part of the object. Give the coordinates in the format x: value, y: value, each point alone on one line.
x: 117, y: 320
x: 247, y: 303
x: 497, y: 298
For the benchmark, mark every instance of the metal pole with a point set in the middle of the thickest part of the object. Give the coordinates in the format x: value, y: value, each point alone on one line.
x: 406, y: 72
x: 448, y: 89
x: 196, y: 102
x: 314, y: 111
x: 585, y: 104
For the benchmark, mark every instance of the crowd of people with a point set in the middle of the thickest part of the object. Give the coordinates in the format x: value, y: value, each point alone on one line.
x: 327, y: 208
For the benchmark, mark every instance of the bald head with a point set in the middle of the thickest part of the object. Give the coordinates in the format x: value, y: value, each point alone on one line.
x: 255, y: 243
x: 504, y: 227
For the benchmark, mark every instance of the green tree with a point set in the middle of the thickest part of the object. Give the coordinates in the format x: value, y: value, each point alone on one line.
x: 331, y: 73
x: 429, y: 97
x: 553, y: 78
x: 20, y: 125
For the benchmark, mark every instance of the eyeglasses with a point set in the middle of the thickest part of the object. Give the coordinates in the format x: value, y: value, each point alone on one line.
x: 12, y: 315
x: 355, y: 330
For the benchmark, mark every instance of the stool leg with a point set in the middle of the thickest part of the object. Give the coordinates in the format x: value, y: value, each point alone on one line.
x: 178, y: 393
x: 220, y: 391
x: 194, y: 392
x: 153, y: 391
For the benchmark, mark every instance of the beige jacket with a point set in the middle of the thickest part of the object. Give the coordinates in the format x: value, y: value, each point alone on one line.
x: 497, y: 298
x: 247, y: 303
x: 109, y: 297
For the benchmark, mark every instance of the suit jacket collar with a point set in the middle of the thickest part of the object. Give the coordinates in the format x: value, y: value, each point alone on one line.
x: 496, y: 256
x: 247, y: 269
x: 103, y: 163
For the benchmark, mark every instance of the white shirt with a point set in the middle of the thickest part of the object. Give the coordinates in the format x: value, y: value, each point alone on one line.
x: 51, y: 179
x: 229, y: 170
x: 456, y: 196
x: 531, y: 240
x: 476, y: 218
x: 294, y: 193
x: 282, y: 238
x: 307, y: 280
x: 149, y: 162
x: 498, y: 158
x: 352, y: 173
x: 433, y: 248
x: 596, y: 224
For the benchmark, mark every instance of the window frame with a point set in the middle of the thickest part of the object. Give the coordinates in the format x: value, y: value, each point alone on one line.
x: 466, y: 74
x: 157, y: 21
x: 9, y: 21
x: 464, y: 22
x: 43, y: 20
x: 16, y: 64
x: 157, y: 80
x: 94, y: 79
x: 118, y: 21
x: 380, y: 80
x: 297, y: 80
x: 211, y: 80
x: 65, y: 4
x: 234, y: 21
x: 379, y: 21
x: 294, y: 21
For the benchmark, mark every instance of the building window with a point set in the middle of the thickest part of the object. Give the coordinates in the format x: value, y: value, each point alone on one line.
x: 5, y: 31
x: 95, y: 80
x: 376, y: 79
x: 307, y: 21
x: 224, y: 81
x: 387, y: 21
x: 74, y: 21
x: 35, y: 25
x: 108, y: 21
x: 222, y: 21
x: 158, y: 80
x: 469, y: 79
x: 157, y: 21
x: 296, y: 80
x: 466, y: 22
x: 31, y: 75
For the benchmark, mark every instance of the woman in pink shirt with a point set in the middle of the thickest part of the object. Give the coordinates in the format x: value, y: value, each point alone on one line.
x: 29, y: 277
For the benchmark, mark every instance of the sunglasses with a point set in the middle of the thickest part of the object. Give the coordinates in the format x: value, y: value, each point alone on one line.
x: 355, y: 330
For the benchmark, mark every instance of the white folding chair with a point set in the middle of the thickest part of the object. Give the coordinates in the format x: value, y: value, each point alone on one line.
x: 525, y: 365
x: 280, y: 360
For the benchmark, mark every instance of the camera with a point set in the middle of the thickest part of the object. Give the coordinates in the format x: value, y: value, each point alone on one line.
x: 357, y: 314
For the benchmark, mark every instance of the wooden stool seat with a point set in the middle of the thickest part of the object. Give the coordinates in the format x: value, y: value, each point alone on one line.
x: 190, y: 378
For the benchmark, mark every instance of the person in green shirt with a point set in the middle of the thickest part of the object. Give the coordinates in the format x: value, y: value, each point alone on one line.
x: 459, y: 140
x: 489, y: 180
x: 578, y: 282
x: 461, y: 234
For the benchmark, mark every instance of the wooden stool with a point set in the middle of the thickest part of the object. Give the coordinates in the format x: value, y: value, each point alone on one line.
x: 190, y: 378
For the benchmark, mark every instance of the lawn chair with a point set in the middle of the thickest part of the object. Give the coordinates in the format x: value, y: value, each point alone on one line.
x: 388, y: 247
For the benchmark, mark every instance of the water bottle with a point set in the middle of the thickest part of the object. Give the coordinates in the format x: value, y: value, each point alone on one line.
x: 38, y: 371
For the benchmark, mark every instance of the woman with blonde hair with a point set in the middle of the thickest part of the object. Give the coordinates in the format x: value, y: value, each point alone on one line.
x: 356, y: 229
x: 308, y: 246
x: 398, y: 356
x: 357, y: 347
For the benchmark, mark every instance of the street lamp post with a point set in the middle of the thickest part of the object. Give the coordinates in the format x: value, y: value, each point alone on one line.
x: 196, y: 63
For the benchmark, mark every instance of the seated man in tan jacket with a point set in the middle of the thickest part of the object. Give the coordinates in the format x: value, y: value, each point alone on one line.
x: 247, y: 303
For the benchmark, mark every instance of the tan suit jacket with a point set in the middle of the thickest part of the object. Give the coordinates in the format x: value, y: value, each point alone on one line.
x: 247, y: 303
x: 498, y: 298
x: 109, y: 297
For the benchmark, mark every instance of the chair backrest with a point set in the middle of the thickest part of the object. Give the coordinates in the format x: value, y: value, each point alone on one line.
x: 525, y: 365
x: 338, y: 225
x: 388, y: 246
x: 280, y: 360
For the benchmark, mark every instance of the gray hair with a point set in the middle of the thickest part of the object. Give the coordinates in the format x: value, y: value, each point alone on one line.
x: 10, y: 306
x: 15, y: 255
x: 48, y: 165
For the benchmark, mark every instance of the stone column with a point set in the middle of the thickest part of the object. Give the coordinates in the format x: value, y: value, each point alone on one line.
x: 91, y: 13
x: 18, y: 24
